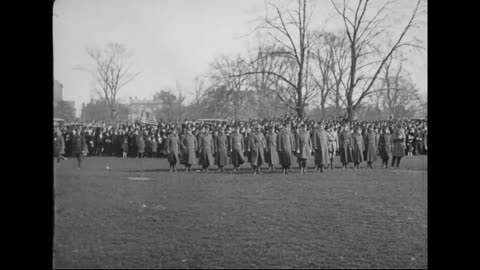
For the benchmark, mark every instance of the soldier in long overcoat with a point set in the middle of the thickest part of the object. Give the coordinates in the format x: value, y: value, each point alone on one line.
x: 236, y: 148
x: 188, y: 146
x: 140, y: 143
x: 304, y: 147
x: 332, y: 144
x: 205, y: 149
x: 59, y: 144
x: 173, y: 149
x: 271, y: 154
x: 320, y: 146
x: 286, y: 146
x: 358, y: 147
x: 221, y: 148
x: 79, y: 147
x: 385, y: 144
x: 371, y: 147
x: 345, y: 143
x: 398, y: 150
x: 256, y: 146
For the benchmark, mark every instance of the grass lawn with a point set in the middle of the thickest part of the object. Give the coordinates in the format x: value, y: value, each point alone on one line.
x: 340, y: 219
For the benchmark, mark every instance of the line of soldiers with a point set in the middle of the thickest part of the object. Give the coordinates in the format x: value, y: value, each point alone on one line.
x: 218, y: 148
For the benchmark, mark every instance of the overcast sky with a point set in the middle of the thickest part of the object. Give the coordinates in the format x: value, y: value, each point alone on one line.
x: 171, y: 40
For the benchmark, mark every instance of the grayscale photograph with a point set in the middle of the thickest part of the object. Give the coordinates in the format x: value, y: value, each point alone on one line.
x: 271, y: 134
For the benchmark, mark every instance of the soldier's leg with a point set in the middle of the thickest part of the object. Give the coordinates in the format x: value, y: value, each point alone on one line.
x: 394, y: 158
x: 79, y: 158
x: 398, y: 161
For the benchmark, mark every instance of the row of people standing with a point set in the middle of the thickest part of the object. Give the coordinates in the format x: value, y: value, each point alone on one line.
x: 221, y: 149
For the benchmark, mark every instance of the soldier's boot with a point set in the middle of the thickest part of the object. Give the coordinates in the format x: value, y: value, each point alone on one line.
x: 398, y: 161
x: 393, y: 161
x: 321, y: 169
x: 254, y: 170
x: 174, y: 168
x: 237, y: 169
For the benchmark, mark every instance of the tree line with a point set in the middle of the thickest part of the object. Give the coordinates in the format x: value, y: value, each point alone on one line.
x: 296, y: 68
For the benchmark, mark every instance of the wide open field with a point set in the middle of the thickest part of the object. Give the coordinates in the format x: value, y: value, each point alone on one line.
x: 340, y: 219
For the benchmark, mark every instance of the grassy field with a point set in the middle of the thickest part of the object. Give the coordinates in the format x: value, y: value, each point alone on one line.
x: 340, y: 219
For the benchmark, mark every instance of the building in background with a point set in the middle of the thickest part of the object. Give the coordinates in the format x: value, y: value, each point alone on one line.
x: 137, y: 106
x: 97, y: 110
x: 62, y: 108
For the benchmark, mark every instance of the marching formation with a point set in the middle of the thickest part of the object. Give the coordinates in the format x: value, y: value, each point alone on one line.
x: 259, y: 142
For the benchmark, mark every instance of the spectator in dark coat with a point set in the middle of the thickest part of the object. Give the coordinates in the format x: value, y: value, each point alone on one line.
x: 79, y: 146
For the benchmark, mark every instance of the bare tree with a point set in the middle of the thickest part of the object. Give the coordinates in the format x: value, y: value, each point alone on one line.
x: 112, y: 72
x: 366, y: 33
x: 236, y: 86
x: 289, y: 30
x: 398, y: 89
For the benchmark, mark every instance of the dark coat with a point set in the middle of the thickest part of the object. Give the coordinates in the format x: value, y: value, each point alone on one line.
x: 345, y: 145
x: 371, y: 146
x: 286, y: 146
x: 237, y: 146
x: 271, y: 153
x: 303, y: 145
x: 398, y: 138
x: 358, y: 147
x: 320, y: 146
x: 173, y: 148
x: 385, y: 144
x: 78, y: 144
x: 256, y: 145
x: 205, y: 149
x: 188, y: 147
x: 221, y: 149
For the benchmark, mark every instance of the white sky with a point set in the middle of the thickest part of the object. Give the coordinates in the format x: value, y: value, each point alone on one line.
x: 172, y: 40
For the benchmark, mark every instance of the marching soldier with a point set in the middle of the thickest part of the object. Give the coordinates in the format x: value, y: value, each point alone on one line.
x: 371, y: 147
x: 172, y: 147
x: 271, y: 154
x: 188, y: 147
x: 345, y: 147
x: 256, y: 146
x: 398, y: 150
x: 332, y: 144
x: 385, y: 145
x: 320, y: 146
x: 205, y: 145
x: 286, y: 146
x: 237, y: 147
x: 358, y: 146
x: 304, y: 147
x: 221, y: 148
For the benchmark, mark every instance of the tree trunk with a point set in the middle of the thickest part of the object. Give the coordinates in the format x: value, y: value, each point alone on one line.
x: 350, y: 113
